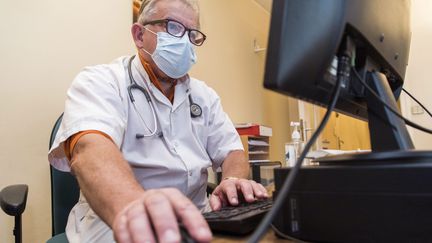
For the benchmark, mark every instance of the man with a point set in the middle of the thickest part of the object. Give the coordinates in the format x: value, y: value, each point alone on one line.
x: 139, y: 135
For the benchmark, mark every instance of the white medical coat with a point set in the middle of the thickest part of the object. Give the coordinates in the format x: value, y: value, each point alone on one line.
x: 98, y: 100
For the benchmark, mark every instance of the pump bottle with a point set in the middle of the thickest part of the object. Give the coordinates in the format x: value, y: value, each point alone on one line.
x: 293, y: 148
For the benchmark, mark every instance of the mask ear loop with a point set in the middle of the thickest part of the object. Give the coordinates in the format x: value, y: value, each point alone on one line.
x: 154, y: 33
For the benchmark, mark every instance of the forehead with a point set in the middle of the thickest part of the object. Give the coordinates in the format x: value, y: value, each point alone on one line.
x: 176, y: 10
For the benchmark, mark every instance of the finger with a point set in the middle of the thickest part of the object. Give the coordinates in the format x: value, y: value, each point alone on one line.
x: 121, y: 233
x: 246, y: 189
x: 163, y: 218
x: 259, y: 188
x: 230, y: 190
x: 190, y: 216
x: 215, y: 202
x: 218, y: 199
x: 139, y: 226
x: 219, y: 192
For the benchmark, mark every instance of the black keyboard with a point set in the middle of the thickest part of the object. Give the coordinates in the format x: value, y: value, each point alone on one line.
x: 238, y: 220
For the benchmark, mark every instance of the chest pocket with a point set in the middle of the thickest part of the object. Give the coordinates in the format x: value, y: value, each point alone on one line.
x: 200, y: 129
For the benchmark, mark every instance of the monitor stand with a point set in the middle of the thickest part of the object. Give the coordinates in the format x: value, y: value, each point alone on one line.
x: 390, y: 140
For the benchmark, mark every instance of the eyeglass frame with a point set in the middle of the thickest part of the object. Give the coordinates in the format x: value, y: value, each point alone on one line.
x: 186, y: 29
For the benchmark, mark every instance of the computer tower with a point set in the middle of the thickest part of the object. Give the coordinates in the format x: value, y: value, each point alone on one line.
x: 388, y: 202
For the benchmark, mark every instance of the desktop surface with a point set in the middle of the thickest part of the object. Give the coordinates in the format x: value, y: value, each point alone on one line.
x: 270, y: 236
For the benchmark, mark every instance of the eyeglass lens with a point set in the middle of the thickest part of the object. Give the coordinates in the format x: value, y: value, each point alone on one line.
x: 177, y: 29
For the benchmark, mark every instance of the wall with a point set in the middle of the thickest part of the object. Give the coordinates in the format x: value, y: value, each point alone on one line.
x: 418, y: 79
x: 43, y: 45
x: 227, y: 62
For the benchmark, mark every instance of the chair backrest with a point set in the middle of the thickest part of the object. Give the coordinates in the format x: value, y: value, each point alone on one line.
x: 64, y: 191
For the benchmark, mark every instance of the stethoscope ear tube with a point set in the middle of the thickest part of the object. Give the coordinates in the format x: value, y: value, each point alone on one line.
x: 140, y: 88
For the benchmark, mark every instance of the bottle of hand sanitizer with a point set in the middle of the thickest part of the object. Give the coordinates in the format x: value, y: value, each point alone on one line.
x: 293, y: 149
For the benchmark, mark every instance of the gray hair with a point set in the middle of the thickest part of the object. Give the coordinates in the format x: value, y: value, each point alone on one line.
x: 148, y: 9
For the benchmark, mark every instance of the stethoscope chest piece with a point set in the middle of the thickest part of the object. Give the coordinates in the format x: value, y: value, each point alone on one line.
x: 195, y: 110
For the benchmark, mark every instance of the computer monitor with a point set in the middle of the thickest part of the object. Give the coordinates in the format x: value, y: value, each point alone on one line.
x: 306, y: 40
x: 373, y: 197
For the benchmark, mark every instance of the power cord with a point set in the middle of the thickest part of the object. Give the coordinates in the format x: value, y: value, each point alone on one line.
x: 408, y: 122
x: 343, y: 75
x: 418, y: 102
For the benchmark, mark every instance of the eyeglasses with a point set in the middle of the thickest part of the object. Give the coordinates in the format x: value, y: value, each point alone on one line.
x: 177, y: 29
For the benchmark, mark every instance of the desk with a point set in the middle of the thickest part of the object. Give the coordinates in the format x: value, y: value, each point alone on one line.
x: 267, y: 238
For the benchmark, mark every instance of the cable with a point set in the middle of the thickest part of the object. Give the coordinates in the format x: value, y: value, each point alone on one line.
x: 408, y: 122
x: 265, y: 223
x: 418, y: 102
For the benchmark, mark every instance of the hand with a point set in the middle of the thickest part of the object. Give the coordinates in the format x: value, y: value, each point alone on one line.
x: 227, y: 192
x: 161, y: 208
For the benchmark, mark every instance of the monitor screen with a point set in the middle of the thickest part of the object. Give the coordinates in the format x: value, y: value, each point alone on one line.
x: 314, y: 45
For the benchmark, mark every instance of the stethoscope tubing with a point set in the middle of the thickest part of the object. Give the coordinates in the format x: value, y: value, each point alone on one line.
x: 134, y: 85
x: 195, y: 109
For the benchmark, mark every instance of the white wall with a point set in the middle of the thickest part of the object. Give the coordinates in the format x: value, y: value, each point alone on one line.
x: 418, y: 79
x: 43, y: 45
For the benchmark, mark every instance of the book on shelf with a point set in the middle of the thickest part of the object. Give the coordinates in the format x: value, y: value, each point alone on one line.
x: 253, y: 129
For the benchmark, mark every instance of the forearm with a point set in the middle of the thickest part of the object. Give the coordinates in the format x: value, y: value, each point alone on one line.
x: 105, y: 178
x: 235, y: 165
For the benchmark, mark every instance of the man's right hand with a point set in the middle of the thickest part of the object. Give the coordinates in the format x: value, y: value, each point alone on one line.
x: 162, y: 209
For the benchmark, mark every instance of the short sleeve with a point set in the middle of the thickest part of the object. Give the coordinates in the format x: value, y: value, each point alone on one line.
x: 223, y: 137
x: 94, y: 102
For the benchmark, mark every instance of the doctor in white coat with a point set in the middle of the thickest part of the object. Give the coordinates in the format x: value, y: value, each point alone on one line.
x: 139, y: 135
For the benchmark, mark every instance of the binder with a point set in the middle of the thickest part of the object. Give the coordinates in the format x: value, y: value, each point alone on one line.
x: 253, y: 130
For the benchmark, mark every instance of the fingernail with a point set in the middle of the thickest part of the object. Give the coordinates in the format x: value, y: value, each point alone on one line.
x: 234, y: 200
x: 250, y: 197
x: 170, y: 236
x: 203, y: 232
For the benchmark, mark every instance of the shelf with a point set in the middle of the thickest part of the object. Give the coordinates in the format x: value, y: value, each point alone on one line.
x: 258, y: 152
x: 258, y: 160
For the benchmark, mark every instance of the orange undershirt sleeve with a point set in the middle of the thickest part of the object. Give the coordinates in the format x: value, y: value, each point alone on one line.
x: 70, y: 143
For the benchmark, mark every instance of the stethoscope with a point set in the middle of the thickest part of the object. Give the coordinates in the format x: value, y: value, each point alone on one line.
x: 195, y: 109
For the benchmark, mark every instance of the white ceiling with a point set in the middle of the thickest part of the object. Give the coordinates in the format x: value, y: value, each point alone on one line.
x: 266, y: 4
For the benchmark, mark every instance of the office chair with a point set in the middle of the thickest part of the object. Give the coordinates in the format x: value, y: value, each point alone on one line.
x: 64, y: 195
x: 13, y: 201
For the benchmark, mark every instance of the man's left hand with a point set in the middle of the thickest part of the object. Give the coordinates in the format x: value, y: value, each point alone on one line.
x: 230, y: 189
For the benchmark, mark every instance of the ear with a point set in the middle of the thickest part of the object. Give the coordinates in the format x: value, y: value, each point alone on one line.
x: 137, y: 35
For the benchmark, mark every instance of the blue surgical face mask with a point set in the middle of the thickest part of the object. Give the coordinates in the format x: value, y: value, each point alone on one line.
x: 174, y: 56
